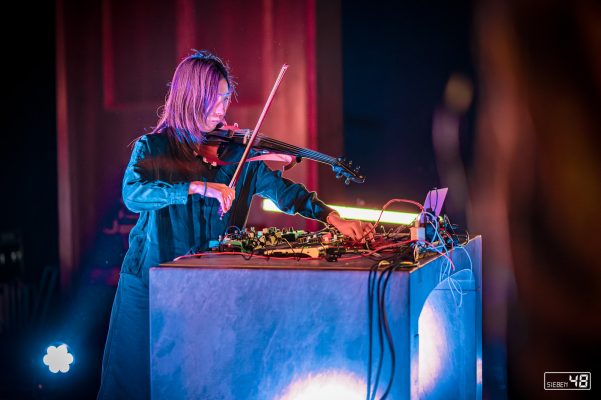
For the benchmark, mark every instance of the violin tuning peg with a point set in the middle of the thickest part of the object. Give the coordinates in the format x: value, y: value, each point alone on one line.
x: 350, y: 163
x: 338, y: 176
x: 358, y: 168
x: 347, y: 181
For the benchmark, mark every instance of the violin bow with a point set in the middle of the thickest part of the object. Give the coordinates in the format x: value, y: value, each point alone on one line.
x: 257, y: 127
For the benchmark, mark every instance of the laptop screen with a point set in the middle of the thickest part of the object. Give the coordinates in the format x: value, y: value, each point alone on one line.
x: 435, y: 200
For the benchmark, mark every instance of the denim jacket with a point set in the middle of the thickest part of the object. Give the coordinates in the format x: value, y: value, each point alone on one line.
x: 173, y: 223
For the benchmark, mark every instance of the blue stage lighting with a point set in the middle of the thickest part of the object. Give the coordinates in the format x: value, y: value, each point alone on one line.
x: 58, y: 358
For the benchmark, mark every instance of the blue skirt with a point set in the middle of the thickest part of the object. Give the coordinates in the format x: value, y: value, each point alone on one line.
x: 126, y: 361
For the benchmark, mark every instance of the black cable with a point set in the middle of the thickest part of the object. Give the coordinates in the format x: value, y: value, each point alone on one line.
x: 291, y: 248
x: 380, y: 337
x: 382, y: 282
x: 390, y: 270
x: 232, y: 226
x: 370, y: 304
x: 301, y: 251
x: 252, y: 253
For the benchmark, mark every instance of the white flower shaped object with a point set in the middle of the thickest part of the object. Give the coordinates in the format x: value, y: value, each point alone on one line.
x: 58, y: 358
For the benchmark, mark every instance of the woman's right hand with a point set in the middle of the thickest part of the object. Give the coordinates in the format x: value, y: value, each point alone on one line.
x: 223, y: 193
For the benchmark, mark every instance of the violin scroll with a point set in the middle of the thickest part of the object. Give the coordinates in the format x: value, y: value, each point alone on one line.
x: 344, y: 169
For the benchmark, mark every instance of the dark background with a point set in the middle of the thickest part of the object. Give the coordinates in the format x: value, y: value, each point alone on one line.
x: 397, y: 59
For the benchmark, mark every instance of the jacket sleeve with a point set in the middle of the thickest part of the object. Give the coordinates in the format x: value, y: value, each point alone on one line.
x: 289, y: 197
x: 141, y: 190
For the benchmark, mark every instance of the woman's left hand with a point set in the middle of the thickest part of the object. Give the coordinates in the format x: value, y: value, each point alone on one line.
x: 356, y: 230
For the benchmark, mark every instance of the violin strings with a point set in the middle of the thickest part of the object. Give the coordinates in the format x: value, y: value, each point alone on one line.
x: 307, y: 154
x: 294, y: 150
x: 298, y: 150
x: 282, y: 146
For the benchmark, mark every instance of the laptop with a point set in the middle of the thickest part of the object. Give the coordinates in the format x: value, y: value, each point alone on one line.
x: 434, y: 201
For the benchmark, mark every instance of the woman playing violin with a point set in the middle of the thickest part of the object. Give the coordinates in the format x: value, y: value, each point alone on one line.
x: 184, y: 201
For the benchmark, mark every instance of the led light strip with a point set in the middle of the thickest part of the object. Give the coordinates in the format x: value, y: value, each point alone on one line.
x: 363, y: 214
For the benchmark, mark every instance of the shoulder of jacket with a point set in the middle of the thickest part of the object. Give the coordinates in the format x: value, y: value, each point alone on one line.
x: 154, y: 141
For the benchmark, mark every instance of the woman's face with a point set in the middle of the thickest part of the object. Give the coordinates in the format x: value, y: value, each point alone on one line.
x: 219, y: 109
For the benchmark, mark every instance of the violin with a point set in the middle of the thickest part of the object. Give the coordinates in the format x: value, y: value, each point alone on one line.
x: 264, y: 144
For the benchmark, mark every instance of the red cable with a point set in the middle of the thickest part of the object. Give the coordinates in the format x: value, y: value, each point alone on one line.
x: 421, y: 207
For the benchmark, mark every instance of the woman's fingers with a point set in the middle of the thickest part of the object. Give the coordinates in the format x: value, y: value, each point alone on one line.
x: 355, y: 230
x: 227, y: 198
x: 365, y: 231
x: 362, y: 231
x: 222, y: 193
x: 368, y: 231
x: 358, y: 230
